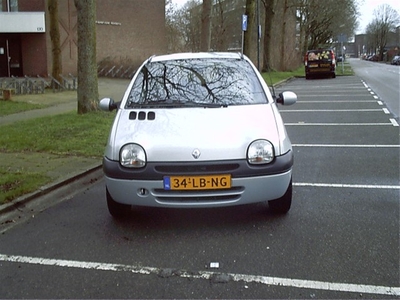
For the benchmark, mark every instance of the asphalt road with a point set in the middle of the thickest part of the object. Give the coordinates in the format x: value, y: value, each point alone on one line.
x: 339, y: 240
x: 383, y: 79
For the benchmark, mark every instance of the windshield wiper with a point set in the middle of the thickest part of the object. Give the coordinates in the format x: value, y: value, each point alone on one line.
x: 173, y: 104
x: 204, y: 104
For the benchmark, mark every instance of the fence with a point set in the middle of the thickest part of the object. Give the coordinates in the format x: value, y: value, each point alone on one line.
x: 37, y: 85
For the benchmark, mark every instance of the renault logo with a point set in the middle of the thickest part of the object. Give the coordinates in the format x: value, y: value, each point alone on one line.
x: 196, y: 153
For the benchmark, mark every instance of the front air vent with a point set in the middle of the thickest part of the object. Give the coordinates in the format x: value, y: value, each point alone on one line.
x: 142, y: 115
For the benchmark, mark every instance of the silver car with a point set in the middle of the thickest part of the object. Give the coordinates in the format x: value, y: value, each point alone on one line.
x: 198, y: 130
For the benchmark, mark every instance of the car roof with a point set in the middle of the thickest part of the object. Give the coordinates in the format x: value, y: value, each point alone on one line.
x: 322, y: 49
x: 196, y: 55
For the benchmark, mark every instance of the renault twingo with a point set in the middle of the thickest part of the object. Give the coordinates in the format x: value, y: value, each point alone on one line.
x: 198, y: 130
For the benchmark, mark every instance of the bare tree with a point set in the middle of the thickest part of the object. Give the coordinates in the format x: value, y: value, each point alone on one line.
x: 321, y: 22
x: 250, y: 46
x: 192, y: 25
x: 385, y: 20
x: 174, y: 33
x: 219, y: 27
x: 269, y: 6
x: 226, y: 25
x: 205, y: 26
x: 55, y: 40
x: 88, y: 93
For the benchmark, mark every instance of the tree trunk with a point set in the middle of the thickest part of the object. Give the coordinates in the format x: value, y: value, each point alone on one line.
x: 282, y: 51
x: 250, y: 43
x: 55, y: 40
x: 88, y: 94
x: 205, y: 26
x: 269, y: 18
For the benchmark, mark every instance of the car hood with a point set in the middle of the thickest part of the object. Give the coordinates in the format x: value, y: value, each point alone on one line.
x: 221, y: 133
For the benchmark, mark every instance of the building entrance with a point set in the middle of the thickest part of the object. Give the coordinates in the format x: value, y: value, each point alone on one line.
x: 10, y: 56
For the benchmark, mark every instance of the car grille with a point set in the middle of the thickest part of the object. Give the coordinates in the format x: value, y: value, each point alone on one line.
x: 227, y: 195
x: 196, y: 168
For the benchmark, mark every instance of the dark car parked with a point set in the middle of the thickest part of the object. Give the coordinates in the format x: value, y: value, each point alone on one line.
x: 320, y: 62
x: 396, y: 60
x: 373, y: 58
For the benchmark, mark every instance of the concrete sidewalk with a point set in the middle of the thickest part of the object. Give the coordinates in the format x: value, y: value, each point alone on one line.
x: 60, y: 169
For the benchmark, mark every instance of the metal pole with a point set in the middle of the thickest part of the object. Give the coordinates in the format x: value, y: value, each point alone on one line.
x: 242, y: 40
x: 341, y: 45
x: 258, y: 35
x: 8, y: 58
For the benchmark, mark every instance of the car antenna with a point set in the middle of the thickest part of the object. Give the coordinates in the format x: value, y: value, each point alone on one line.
x: 270, y: 80
x: 151, y: 57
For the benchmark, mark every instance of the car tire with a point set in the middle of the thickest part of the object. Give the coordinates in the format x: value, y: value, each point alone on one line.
x: 117, y: 210
x: 282, y: 204
x: 333, y: 75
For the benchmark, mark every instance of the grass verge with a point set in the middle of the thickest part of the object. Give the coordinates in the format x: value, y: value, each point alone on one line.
x: 65, y: 135
x: 12, y: 107
x: 344, y: 70
x: 15, y: 184
x: 274, y: 77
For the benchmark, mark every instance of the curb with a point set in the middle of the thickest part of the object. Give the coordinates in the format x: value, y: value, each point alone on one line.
x: 22, y: 200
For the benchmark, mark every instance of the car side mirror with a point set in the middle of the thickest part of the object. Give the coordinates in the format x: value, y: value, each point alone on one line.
x: 287, y: 98
x: 108, y: 104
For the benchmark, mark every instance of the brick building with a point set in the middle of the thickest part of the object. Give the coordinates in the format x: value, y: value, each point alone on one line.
x: 127, y: 31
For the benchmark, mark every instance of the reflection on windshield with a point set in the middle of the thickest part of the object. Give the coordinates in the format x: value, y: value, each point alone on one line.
x: 203, y: 81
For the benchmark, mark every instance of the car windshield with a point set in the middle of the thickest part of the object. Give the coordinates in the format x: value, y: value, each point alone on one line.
x: 196, y: 82
x: 319, y: 55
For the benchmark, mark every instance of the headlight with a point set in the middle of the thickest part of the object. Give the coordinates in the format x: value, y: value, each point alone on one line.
x: 132, y: 156
x: 260, y: 152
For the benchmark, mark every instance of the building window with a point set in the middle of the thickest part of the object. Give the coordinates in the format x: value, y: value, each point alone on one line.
x: 8, y: 5
x: 13, y: 5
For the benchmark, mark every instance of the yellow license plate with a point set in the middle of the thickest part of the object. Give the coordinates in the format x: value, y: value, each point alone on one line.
x: 324, y: 65
x: 206, y: 182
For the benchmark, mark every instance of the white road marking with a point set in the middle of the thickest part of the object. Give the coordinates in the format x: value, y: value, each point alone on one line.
x: 267, y: 280
x: 345, y: 185
x: 394, y: 122
x: 336, y: 101
x: 343, y: 124
x: 332, y: 110
x: 386, y: 111
x: 345, y: 146
x: 314, y: 95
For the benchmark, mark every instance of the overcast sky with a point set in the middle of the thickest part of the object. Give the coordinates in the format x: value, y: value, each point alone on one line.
x: 366, y: 8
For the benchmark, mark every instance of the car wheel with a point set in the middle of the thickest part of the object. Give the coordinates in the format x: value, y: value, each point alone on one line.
x: 117, y: 210
x: 282, y: 204
x: 333, y: 75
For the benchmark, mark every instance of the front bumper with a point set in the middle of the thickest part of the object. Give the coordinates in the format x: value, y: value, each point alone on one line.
x: 250, y: 184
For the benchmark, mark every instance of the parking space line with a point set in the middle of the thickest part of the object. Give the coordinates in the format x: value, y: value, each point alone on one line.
x: 331, y: 96
x: 345, y: 146
x: 267, y: 280
x: 337, y: 101
x: 331, y: 110
x: 345, y: 185
x: 392, y: 123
